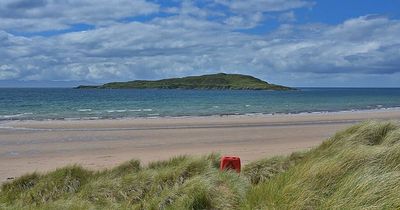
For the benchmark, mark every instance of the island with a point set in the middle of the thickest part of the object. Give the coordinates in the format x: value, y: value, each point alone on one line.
x: 220, y: 81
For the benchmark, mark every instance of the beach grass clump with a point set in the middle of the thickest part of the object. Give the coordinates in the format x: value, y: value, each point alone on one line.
x: 357, y: 168
x: 265, y: 169
x: 183, y: 182
x: 38, y: 189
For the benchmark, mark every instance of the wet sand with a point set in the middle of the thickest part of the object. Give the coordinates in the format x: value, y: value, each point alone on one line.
x: 28, y: 146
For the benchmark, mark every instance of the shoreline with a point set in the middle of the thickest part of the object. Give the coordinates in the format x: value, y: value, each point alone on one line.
x: 366, y: 111
x: 28, y: 146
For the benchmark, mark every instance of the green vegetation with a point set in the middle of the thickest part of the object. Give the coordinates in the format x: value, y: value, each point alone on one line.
x: 358, y: 168
x: 211, y: 81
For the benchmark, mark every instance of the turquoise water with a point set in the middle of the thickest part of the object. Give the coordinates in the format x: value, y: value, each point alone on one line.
x: 62, y: 103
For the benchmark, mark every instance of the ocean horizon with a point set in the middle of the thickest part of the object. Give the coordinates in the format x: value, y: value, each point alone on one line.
x: 75, y: 104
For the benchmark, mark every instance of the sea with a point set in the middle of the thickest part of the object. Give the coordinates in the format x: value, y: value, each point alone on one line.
x: 92, y: 104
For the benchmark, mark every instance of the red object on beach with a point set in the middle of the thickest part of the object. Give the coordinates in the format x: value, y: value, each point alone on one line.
x: 230, y: 163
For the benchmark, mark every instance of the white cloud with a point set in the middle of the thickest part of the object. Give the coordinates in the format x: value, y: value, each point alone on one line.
x: 41, y: 15
x: 252, y: 6
x: 48, y: 15
x: 249, y: 14
x: 364, y: 45
x: 188, y: 42
x: 247, y: 21
x: 8, y: 72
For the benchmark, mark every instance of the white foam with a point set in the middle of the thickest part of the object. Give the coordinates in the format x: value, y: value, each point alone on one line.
x: 15, y: 115
x: 84, y: 110
x: 147, y: 110
x: 116, y: 110
x: 90, y: 118
x: 135, y: 110
x: 152, y: 117
x: 71, y: 118
x: 156, y: 114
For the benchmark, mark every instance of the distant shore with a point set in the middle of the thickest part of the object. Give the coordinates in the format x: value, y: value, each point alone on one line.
x: 28, y: 146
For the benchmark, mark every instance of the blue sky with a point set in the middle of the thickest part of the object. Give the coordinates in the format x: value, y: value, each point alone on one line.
x: 291, y: 42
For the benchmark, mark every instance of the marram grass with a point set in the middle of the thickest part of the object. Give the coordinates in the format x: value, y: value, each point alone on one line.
x: 358, y: 168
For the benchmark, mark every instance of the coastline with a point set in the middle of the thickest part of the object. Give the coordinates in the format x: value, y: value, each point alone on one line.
x: 50, y: 104
x: 28, y: 146
x: 157, y: 116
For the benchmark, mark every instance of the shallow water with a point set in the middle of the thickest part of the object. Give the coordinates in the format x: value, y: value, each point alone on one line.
x: 64, y: 103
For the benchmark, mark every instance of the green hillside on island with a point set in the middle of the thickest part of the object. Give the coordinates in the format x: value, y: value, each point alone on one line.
x: 357, y: 168
x: 210, y: 81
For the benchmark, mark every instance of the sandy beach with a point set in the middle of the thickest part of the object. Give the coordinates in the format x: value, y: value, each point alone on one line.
x: 28, y: 146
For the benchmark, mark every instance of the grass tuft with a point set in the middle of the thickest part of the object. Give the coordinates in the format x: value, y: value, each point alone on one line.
x: 357, y: 168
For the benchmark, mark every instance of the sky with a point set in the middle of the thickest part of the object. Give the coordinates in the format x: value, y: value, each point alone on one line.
x: 299, y: 43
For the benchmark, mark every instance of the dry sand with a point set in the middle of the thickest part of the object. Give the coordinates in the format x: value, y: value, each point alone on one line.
x: 28, y: 146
